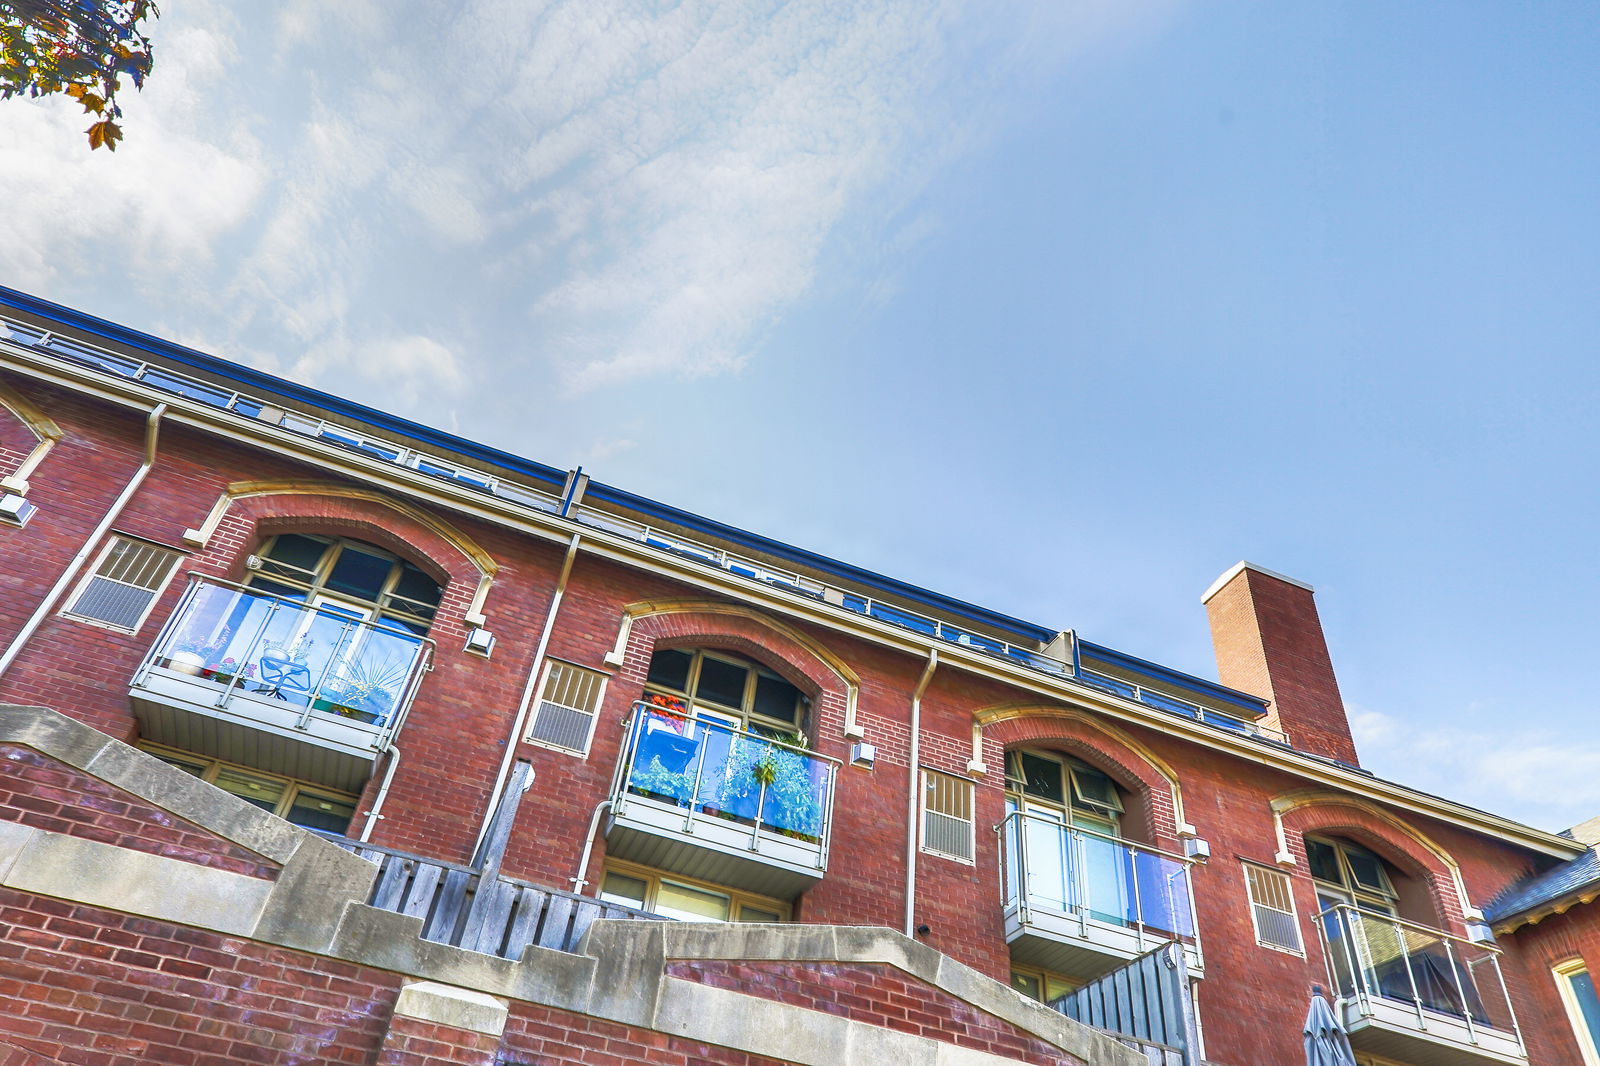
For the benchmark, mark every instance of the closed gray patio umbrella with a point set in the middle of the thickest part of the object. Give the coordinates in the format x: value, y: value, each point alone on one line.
x: 1326, y: 1042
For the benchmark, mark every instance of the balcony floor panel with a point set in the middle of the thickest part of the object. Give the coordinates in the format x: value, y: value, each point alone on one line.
x: 1393, y: 1032
x: 651, y: 832
x: 1056, y: 941
x: 180, y: 711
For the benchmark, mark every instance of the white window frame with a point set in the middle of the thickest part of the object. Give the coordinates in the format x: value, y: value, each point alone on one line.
x: 1261, y: 869
x: 550, y: 665
x: 971, y: 820
x: 93, y: 572
x: 1563, y: 972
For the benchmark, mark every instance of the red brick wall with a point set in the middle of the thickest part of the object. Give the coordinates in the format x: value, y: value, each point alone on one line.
x: 40, y: 792
x: 413, y: 1042
x: 877, y: 994
x: 544, y: 1036
x: 84, y: 985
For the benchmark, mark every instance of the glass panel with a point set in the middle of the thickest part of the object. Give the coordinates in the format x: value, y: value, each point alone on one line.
x: 1041, y: 778
x: 1324, y: 862
x: 302, y: 553
x: 1094, y: 789
x: 369, y: 677
x: 1105, y: 881
x: 748, y: 913
x: 416, y: 585
x: 670, y: 669
x: 690, y: 904
x: 620, y: 888
x: 359, y: 574
x: 1583, y: 991
x: 1026, y: 983
x: 721, y: 682
x: 665, y: 757
x: 326, y: 813
x: 1163, y: 893
x: 258, y: 791
x: 1367, y: 870
x: 188, y: 766
x: 776, y: 699
x: 1048, y: 863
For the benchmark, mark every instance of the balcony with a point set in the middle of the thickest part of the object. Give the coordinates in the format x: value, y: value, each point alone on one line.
x: 1082, y: 903
x: 312, y: 692
x: 699, y: 797
x: 1418, y: 994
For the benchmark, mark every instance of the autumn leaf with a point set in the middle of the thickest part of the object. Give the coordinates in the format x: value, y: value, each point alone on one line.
x: 91, y: 102
x: 106, y: 133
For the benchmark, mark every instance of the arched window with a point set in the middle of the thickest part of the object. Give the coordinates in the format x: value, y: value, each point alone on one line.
x: 1350, y: 875
x: 351, y: 576
x: 744, y: 694
x: 1064, y: 790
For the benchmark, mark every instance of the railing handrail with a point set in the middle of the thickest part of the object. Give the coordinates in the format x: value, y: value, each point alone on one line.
x: 196, y: 577
x: 690, y: 714
x: 1389, y: 919
x: 1187, y: 860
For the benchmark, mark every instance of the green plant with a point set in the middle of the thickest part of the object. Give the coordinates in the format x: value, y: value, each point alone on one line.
x: 658, y: 780
x: 370, y: 680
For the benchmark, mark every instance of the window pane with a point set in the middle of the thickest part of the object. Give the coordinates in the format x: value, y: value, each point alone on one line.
x: 670, y: 669
x: 1026, y: 983
x: 1367, y: 869
x: 748, y: 913
x: 262, y: 792
x: 1324, y: 862
x: 1094, y: 789
x: 359, y: 574
x: 1042, y: 778
x: 776, y: 699
x: 620, y: 888
x: 303, y: 553
x: 416, y: 585
x: 721, y: 682
x: 321, y: 812
x: 188, y: 766
x: 1588, y: 1002
x: 690, y: 904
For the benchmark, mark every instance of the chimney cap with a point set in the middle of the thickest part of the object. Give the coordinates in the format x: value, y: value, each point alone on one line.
x: 1234, y: 571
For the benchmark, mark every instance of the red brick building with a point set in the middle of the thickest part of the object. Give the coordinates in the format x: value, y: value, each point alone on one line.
x: 249, y: 628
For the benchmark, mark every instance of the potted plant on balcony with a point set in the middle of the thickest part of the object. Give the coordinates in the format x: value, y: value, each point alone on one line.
x: 366, y: 688
x: 791, y: 805
x: 194, y: 654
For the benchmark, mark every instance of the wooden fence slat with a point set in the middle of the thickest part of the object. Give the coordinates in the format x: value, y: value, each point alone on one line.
x: 553, y: 930
x: 530, y: 908
x: 392, y: 877
x: 420, y: 892
x: 446, y: 915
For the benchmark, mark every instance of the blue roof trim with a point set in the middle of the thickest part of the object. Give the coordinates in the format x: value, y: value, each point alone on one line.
x: 821, y: 563
x: 275, y: 386
x: 272, y: 386
x: 1254, y: 704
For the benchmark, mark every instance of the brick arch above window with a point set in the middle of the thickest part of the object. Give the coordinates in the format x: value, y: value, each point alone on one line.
x: 1101, y: 745
x: 1319, y: 812
x: 251, y: 511
x: 806, y: 663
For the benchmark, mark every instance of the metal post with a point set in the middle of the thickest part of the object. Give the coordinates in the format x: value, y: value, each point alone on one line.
x: 699, y: 770
x: 1138, y: 900
x: 167, y: 630
x: 250, y: 650
x: 1019, y: 826
x: 1076, y: 880
x: 1506, y: 995
x: 1466, y: 1004
x: 826, y: 828
x: 1411, y: 977
x: 761, y: 809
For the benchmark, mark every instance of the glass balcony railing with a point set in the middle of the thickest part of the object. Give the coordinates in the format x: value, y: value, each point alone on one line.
x: 1404, y: 975
x: 1097, y: 882
x: 236, y: 647
x: 711, y: 769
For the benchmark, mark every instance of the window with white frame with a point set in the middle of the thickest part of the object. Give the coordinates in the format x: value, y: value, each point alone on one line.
x: 947, y: 815
x: 1583, y: 1007
x: 124, y: 584
x: 1272, y: 908
x: 569, y: 701
x: 686, y: 900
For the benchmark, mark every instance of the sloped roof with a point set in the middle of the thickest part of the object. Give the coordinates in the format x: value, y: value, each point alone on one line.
x: 1542, y: 894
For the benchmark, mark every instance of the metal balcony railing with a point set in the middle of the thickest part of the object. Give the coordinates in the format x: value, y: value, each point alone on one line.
x: 1448, y: 986
x: 1096, y: 880
x: 466, y: 476
x: 250, y: 647
x: 709, y: 768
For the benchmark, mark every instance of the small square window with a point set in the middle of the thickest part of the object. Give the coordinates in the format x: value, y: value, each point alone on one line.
x: 947, y: 815
x: 1272, y: 908
x: 568, y: 704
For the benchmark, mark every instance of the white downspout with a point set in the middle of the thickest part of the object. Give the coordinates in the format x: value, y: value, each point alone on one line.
x: 526, y: 706
x: 372, y: 815
x: 151, y: 432
x: 580, y: 881
x: 913, y: 796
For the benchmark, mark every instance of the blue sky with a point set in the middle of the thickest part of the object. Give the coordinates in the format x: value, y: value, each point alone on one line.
x: 1059, y: 307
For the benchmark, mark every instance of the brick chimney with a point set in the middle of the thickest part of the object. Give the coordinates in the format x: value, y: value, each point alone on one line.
x: 1269, y: 643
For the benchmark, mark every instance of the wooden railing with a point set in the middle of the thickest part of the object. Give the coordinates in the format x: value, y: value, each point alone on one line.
x: 1145, y: 1004
x: 456, y: 909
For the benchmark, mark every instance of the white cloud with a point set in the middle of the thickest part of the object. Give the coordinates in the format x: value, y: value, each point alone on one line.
x: 1535, y: 776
